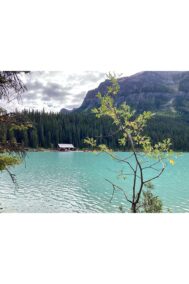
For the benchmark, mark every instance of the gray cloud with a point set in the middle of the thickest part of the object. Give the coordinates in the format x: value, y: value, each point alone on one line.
x: 58, y: 89
x: 34, y: 85
x: 86, y: 77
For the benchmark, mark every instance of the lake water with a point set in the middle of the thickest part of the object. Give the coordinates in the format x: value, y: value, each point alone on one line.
x: 75, y: 182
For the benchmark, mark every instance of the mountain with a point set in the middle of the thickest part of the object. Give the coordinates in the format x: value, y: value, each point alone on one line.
x: 65, y: 110
x: 161, y: 91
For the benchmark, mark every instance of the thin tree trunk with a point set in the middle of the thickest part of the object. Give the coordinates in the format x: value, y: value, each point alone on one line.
x: 133, y: 208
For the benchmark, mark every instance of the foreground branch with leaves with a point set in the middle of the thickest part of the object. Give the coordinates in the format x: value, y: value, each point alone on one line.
x: 145, y: 163
x: 11, y: 152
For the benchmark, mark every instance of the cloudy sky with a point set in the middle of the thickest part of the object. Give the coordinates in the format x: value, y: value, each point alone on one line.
x: 55, y: 90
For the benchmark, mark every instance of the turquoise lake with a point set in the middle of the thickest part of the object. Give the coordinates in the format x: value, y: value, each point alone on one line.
x: 75, y: 182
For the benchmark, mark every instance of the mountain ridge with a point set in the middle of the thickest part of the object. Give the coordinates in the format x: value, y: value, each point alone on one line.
x: 159, y: 91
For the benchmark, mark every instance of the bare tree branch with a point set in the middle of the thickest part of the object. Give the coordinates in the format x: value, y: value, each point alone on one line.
x: 162, y: 170
x: 121, y: 189
x: 12, y: 176
x: 121, y: 160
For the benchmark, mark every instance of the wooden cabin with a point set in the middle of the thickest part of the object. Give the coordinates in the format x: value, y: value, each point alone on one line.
x: 66, y: 147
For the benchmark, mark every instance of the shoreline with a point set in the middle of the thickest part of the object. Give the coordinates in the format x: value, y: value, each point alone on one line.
x: 82, y: 151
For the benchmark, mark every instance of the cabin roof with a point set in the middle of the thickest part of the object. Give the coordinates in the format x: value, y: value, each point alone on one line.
x: 65, y: 145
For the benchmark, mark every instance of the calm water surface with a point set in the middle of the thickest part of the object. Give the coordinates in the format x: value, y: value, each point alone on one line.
x: 75, y: 182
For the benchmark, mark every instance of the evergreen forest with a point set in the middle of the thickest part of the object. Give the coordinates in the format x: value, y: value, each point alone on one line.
x: 49, y: 129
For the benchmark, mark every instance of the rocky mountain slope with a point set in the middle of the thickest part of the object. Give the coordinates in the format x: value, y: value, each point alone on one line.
x: 160, y: 91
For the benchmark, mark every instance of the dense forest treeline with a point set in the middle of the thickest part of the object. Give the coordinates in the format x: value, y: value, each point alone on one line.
x: 49, y: 129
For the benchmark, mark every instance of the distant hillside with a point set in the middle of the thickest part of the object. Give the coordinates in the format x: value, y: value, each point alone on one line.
x: 65, y: 110
x: 160, y: 91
